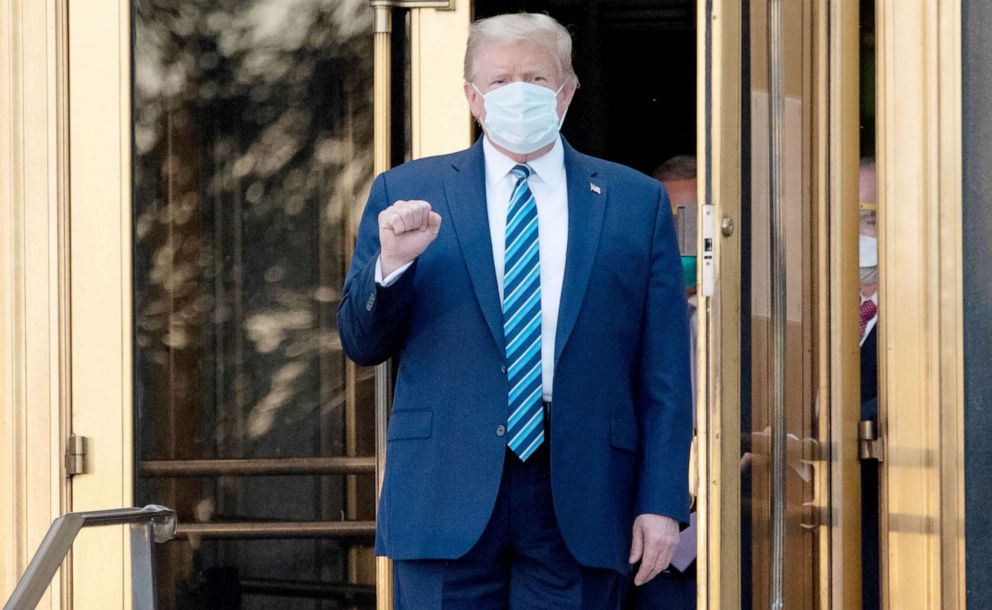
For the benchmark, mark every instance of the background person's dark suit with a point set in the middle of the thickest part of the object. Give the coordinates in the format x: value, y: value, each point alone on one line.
x: 870, y: 582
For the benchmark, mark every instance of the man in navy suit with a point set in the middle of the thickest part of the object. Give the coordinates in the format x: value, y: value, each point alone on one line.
x: 532, y: 295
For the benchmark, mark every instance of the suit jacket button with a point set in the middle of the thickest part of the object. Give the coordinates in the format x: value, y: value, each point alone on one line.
x: 500, y: 430
x: 503, y: 369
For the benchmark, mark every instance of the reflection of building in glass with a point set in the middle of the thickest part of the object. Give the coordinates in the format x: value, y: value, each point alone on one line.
x: 252, y: 135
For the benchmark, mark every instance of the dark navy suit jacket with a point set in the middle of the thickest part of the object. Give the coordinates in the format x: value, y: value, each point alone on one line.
x: 869, y: 376
x: 620, y: 421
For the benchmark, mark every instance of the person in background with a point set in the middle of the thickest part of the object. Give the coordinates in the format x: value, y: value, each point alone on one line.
x: 868, y: 263
x: 675, y: 588
x: 678, y: 176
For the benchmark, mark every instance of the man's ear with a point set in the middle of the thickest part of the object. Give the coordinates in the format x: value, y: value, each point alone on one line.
x: 566, y: 95
x: 476, y: 102
x: 569, y: 92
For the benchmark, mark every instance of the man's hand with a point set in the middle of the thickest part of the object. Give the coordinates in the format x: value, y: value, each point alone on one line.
x: 406, y: 228
x: 655, y: 540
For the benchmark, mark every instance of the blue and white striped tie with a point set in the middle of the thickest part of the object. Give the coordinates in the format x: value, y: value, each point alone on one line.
x: 522, y: 320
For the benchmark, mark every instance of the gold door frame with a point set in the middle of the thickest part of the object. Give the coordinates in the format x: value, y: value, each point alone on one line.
x: 718, y: 146
x: 836, y: 171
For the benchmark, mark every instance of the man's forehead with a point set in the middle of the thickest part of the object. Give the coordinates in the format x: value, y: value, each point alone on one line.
x: 523, y: 54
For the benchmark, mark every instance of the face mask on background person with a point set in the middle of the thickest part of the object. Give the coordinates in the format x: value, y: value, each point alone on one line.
x: 868, y: 251
x: 868, y: 259
x: 522, y: 117
x: 869, y: 275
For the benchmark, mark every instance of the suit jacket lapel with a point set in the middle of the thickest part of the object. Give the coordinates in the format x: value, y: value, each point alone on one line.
x: 586, y: 208
x: 465, y: 191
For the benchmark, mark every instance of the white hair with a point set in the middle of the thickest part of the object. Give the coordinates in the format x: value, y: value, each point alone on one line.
x: 538, y: 28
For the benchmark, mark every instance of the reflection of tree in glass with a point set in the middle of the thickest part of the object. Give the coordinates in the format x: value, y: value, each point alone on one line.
x: 252, y: 142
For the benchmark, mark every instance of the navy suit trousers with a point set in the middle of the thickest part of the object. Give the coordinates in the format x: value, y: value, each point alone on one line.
x: 519, y: 563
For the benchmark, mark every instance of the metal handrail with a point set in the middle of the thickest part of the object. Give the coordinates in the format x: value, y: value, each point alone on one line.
x: 258, y: 467
x: 278, y: 529
x: 149, y: 523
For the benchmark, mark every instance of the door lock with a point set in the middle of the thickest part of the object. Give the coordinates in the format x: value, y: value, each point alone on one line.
x: 708, y: 271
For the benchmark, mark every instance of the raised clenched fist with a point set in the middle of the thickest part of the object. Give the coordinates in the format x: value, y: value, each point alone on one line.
x: 406, y: 228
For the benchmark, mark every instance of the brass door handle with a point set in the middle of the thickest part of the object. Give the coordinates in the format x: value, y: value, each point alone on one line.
x: 814, y: 512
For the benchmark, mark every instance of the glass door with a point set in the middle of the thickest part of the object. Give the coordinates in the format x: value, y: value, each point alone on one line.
x: 252, y: 157
x: 779, y: 229
x: 778, y: 314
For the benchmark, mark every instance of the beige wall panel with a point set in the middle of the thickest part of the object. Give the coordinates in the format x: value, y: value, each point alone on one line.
x: 910, y: 477
x: 100, y: 225
x: 919, y: 260
x: 32, y: 298
x: 947, y: 28
x: 441, y: 119
x: 8, y: 529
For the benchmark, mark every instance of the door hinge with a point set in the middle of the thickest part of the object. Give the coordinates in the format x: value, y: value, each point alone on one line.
x: 869, y: 441
x: 75, y: 455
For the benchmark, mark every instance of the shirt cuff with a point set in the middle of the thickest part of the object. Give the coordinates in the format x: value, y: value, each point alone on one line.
x: 391, y: 279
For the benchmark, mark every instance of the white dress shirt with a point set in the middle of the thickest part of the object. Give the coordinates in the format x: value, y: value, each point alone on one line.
x: 550, y: 189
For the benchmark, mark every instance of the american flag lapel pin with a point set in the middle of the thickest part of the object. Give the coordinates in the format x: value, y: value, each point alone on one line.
x: 595, y: 188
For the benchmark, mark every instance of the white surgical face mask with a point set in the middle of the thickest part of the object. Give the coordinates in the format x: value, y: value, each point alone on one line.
x: 522, y: 117
x: 868, y: 251
x: 869, y: 275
